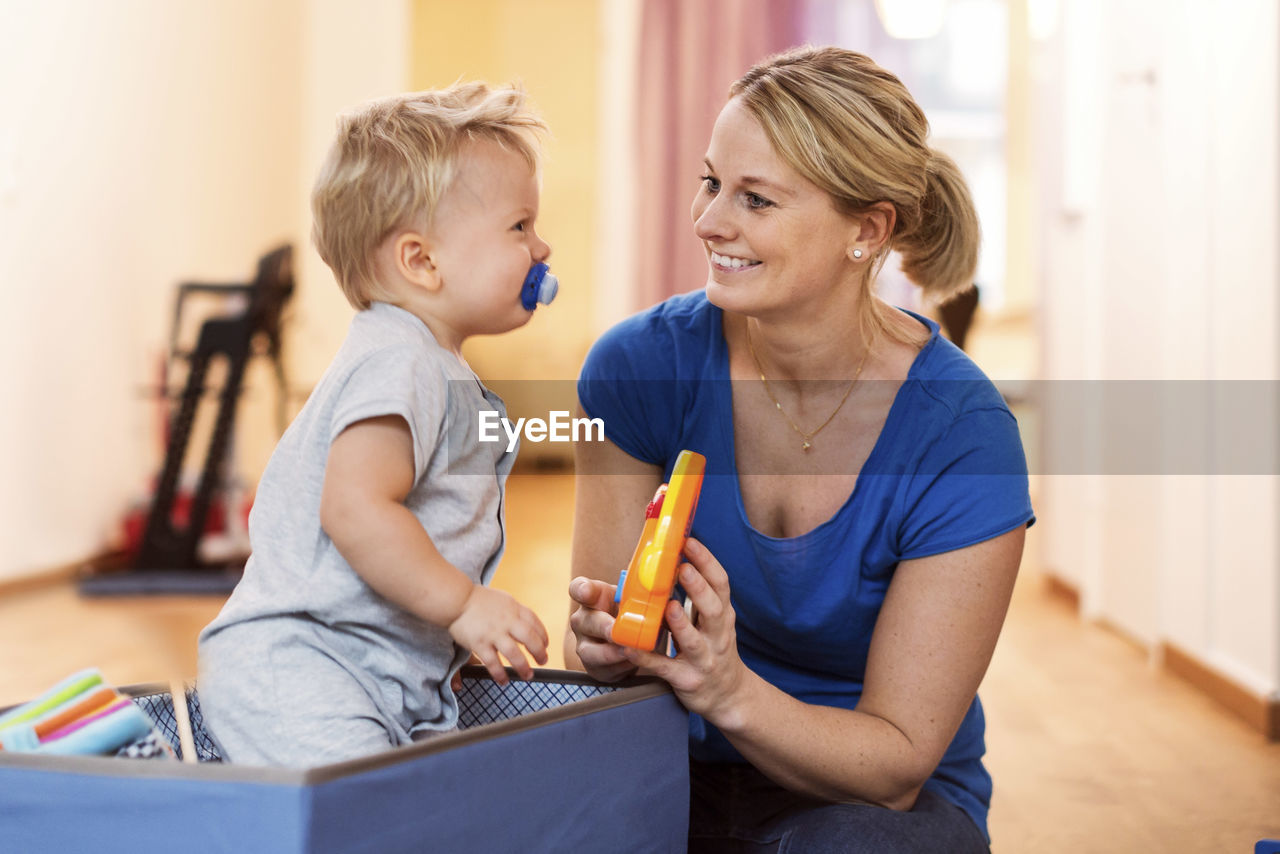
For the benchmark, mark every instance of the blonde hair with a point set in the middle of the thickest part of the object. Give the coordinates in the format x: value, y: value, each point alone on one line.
x: 391, y: 163
x: 853, y: 129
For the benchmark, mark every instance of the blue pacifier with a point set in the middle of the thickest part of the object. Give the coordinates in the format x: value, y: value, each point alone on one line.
x: 540, y: 286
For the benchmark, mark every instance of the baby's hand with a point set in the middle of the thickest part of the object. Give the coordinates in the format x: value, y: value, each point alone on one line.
x: 456, y: 681
x: 492, y: 622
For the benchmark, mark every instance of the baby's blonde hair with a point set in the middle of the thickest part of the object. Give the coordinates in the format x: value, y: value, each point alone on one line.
x: 853, y: 129
x: 392, y: 161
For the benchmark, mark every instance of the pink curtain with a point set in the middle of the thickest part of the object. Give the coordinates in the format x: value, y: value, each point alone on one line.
x: 690, y: 51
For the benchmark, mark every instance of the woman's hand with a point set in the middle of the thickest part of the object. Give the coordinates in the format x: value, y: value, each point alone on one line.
x: 591, y: 623
x: 707, y: 674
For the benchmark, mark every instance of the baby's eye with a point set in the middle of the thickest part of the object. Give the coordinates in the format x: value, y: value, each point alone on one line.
x: 756, y: 201
x: 519, y: 226
x: 711, y: 185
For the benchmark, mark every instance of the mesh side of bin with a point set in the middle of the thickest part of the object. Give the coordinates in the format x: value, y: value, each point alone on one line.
x: 482, y: 701
x: 159, y: 707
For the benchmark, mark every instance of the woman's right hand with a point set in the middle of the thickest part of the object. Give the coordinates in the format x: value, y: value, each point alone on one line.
x: 591, y: 623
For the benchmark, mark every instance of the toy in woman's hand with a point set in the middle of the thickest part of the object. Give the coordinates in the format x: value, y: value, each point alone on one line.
x: 646, y: 584
x: 540, y: 286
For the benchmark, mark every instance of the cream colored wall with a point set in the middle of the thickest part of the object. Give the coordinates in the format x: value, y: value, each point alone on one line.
x: 143, y: 143
x: 1160, y: 264
x: 618, y: 184
x: 352, y: 52
x: 553, y: 48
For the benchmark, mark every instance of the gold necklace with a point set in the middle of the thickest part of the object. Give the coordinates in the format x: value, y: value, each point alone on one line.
x: 806, y: 436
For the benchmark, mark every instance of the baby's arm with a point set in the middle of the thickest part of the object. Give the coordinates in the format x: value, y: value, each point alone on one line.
x: 368, y: 475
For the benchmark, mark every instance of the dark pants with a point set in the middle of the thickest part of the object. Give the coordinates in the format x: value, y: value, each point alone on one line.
x: 734, y: 809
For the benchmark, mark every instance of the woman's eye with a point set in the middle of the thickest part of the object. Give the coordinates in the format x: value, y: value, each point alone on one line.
x: 757, y: 201
x: 712, y: 185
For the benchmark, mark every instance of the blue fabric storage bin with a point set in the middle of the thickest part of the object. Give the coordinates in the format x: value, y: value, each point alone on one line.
x: 557, y: 764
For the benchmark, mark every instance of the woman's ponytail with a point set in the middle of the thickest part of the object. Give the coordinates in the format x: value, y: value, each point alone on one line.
x: 941, y: 253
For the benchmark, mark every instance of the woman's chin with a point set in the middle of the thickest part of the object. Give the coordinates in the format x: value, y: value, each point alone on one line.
x: 738, y: 299
x: 724, y: 296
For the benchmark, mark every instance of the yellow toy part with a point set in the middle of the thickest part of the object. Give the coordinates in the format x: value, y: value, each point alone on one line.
x: 645, y: 585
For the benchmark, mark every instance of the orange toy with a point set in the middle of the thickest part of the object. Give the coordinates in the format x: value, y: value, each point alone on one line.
x: 645, y: 585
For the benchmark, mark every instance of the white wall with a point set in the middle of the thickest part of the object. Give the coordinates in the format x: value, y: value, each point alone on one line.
x: 1161, y: 196
x: 144, y: 143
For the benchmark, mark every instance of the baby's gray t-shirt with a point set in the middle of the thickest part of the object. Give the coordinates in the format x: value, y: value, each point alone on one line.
x: 297, y: 588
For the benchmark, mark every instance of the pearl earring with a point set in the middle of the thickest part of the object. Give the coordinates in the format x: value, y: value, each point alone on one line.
x: 857, y: 253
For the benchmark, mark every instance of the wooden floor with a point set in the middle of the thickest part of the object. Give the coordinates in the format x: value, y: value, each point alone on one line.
x: 1091, y: 749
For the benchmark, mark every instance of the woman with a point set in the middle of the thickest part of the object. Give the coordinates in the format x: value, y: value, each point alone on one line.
x: 862, y: 519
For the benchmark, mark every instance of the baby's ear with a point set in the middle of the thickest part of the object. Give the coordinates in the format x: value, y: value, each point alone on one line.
x: 414, y: 261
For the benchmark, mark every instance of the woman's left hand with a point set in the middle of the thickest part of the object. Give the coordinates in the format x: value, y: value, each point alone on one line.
x: 707, y: 673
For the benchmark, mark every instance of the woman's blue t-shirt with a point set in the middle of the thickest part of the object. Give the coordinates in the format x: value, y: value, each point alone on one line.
x: 947, y: 471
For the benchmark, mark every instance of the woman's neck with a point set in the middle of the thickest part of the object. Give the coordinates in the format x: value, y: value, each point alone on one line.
x: 811, y: 345
x: 830, y: 343
x: 802, y: 353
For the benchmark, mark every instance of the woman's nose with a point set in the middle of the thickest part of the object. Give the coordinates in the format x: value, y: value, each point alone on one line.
x: 709, y: 221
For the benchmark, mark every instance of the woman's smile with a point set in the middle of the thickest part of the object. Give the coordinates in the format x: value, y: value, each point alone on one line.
x: 731, y: 263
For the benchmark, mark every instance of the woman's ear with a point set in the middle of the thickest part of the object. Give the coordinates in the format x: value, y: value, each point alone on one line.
x: 872, y: 228
x: 414, y: 261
